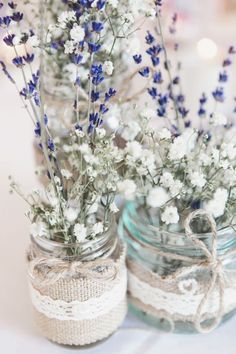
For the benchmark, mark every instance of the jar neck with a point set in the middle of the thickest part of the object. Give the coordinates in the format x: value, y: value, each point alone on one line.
x: 140, y: 233
x: 102, y: 246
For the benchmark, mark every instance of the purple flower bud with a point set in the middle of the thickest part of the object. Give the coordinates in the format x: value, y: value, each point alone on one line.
x: 97, y: 26
x: 144, y: 72
x: 18, y: 62
x: 137, y: 58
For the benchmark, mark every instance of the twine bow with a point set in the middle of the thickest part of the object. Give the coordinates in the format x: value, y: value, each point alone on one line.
x: 213, y: 264
x: 47, y: 271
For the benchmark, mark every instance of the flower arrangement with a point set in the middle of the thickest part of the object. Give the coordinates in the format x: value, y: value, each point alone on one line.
x: 112, y: 37
x: 82, y: 166
x: 184, y: 165
x: 180, y: 180
x: 76, y: 263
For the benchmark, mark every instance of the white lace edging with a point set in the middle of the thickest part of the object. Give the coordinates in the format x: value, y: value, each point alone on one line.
x: 81, y: 310
x: 185, y: 304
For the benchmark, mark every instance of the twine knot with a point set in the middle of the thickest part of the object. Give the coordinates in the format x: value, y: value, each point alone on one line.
x: 214, y: 264
x: 47, y: 271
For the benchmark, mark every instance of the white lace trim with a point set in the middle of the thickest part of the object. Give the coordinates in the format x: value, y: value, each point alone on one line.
x: 81, y: 310
x: 185, y: 304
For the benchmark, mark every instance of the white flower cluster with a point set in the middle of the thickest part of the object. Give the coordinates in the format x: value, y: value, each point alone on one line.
x: 90, y: 178
x: 178, y: 174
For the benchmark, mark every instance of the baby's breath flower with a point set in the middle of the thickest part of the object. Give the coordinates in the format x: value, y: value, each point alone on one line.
x: 71, y: 214
x: 97, y: 228
x: 170, y: 215
x: 198, y: 179
x: 80, y: 232
x: 157, y: 197
x: 77, y: 33
x: 108, y: 67
x: 127, y: 189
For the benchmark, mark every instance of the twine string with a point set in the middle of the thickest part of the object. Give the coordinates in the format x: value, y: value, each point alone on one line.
x: 215, y: 266
x: 210, y: 262
x: 47, y: 271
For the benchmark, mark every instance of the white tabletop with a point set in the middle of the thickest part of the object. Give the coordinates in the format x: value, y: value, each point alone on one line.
x: 17, y: 331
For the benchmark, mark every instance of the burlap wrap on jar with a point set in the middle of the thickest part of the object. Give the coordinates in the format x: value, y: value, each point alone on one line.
x: 78, y: 303
x: 201, y: 293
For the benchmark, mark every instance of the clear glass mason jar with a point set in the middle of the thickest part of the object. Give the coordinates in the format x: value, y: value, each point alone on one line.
x: 176, y: 283
x: 78, y: 291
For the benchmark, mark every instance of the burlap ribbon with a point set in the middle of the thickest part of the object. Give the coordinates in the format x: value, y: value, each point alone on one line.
x: 211, y: 263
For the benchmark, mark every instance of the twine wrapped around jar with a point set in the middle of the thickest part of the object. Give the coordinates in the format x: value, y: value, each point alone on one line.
x: 78, y: 303
x: 184, y: 295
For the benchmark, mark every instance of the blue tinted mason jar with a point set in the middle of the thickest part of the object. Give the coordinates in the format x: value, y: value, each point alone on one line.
x: 178, y: 282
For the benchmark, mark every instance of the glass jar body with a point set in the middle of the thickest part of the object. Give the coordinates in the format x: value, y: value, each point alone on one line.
x: 169, y: 276
x: 78, y: 287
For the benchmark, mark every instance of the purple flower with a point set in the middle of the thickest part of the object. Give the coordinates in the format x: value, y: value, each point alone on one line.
x: 90, y: 128
x: 4, y: 69
x: 5, y: 21
x: 100, y: 4
x: 157, y: 78
x: 94, y: 118
x: 97, y: 26
x: 97, y: 79
x: 155, y: 61
x: 76, y: 58
x: 232, y: 50
x: 103, y: 109
x: 96, y: 69
x: 144, y: 72
x: 161, y: 111
x: 51, y: 145
x: 187, y: 123
x: 12, y: 5
x: 223, y: 77
x: 203, y: 99
x: 176, y: 80
x: 163, y: 100
x: 17, y: 16
x: 183, y: 111
x: 29, y: 58
x: 226, y: 62
x: 149, y: 38
x: 77, y: 81
x: 78, y: 127
x: 94, y: 96
x: 93, y: 47
x: 9, y: 40
x: 36, y: 99
x: 111, y: 92
x: 152, y: 92
x: 201, y: 112
x: 154, y: 50
x: 218, y: 94
x: 18, y: 62
x: 137, y: 58
x: 37, y: 129
x: 180, y: 98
